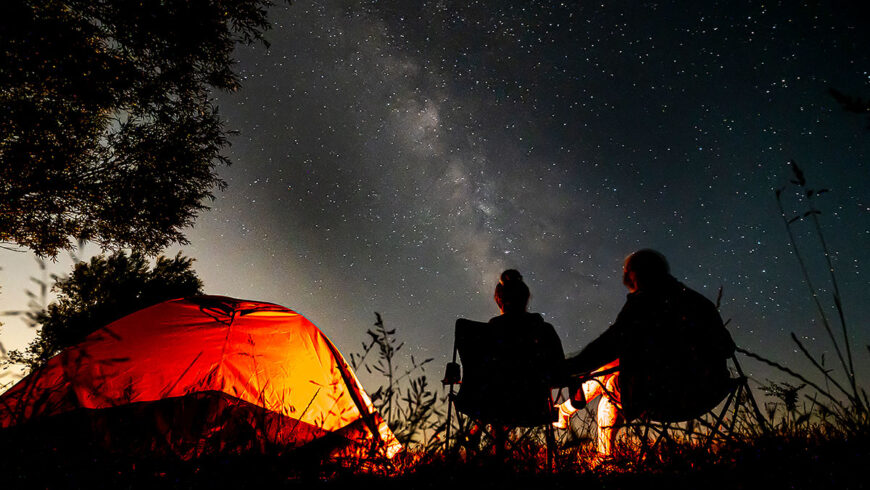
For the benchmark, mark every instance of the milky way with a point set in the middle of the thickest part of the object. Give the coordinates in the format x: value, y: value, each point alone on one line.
x: 396, y: 157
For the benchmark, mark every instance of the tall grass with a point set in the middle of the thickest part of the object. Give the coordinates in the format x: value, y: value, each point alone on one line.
x: 839, y: 401
x: 405, y: 400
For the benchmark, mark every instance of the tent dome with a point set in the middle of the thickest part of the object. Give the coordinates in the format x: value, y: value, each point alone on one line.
x: 204, y: 375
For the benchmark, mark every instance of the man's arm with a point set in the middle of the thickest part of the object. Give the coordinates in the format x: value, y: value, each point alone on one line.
x: 604, y: 349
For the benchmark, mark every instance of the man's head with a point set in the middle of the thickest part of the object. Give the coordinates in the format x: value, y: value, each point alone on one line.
x: 643, y: 269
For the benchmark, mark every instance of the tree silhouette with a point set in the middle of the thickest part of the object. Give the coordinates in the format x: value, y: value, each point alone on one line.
x: 108, y: 131
x: 101, y: 291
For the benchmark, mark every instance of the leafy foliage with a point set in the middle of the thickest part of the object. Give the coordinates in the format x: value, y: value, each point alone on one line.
x: 107, y: 129
x: 788, y: 396
x: 405, y: 401
x: 101, y: 291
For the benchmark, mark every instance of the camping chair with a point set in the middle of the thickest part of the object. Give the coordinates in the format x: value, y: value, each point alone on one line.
x: 492, y: 391
x: 736, y: 395
x: 695, y: 413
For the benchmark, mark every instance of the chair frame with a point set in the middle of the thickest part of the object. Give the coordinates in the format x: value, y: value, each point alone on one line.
x: 494, y: 434
x: 738, y: 392
x: 732, y: 401
x: 502, y: 441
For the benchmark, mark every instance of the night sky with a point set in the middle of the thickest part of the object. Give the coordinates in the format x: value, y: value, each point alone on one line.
x: 397, y: 156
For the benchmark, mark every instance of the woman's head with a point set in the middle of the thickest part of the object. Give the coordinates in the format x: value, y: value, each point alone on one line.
x: 511, y: 293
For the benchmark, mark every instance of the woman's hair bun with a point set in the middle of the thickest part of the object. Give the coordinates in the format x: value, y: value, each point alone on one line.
x: 511, y: 275
x: 511, y: 293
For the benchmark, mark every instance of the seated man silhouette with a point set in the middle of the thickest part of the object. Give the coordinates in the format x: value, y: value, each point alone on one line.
x: 671, y: 349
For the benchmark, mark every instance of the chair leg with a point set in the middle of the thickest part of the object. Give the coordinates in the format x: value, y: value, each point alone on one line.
x: 660, y: 433
x: 450, y: 401
x: 663, y: 433
x: 736, y: 413
x: 644, y: 447
x: 550, y: 435
x: 465, y: 427
x: 714, y: 431
x: 551, y: 448
x: 448, y: 378
x: 745, y: 383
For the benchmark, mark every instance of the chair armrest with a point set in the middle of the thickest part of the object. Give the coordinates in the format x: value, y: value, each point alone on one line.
x: 575, y: 385
x: 452, y: 374
x: 577, y: 397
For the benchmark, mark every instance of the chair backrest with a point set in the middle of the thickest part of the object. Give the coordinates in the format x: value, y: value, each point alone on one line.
x: 501, y: 383
x: 674, y: 363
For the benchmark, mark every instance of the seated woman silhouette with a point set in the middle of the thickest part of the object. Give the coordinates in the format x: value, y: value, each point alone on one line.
x: 510, y: 362
x: 523, y: 355
x: 531, y: 344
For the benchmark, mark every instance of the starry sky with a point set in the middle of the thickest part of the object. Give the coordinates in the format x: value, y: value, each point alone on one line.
x: 397, y: 156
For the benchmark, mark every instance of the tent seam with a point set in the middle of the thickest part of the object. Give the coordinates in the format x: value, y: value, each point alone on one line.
x: 220, y: 368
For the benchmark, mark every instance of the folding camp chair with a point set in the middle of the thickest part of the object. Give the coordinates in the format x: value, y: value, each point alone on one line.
x: 702, y: 419
x: 696, y: 416
x: 497, y: 389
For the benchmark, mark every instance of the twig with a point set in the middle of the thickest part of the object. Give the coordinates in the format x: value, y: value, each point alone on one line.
x: 812, y: 289
x: 11, y: 248
x: 819, y: 367
x: 792, y: 373
x: 814, y: 214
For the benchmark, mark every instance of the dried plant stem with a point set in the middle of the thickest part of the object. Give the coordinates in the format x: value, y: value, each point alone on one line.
x: 837, y: 302
x: 819, y: 367
x: 792, y: 373
x: 815, y: 296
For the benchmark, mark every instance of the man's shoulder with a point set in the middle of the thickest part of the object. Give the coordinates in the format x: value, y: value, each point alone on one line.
x: 694, y: 297
x: 669, y: 298
x: 535, y: 318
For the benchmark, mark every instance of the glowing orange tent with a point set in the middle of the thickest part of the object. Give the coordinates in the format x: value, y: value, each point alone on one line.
x: 205, y: 375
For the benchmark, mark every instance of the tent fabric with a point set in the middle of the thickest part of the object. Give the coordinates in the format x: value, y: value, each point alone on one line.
x: 262, y: 357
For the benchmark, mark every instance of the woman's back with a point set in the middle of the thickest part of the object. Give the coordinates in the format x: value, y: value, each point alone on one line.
x: 529, y: 345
